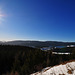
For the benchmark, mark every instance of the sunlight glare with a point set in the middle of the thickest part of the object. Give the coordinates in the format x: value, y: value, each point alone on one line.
x: 1, y: 16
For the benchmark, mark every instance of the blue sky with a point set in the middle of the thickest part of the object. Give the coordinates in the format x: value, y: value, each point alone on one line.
x: 52, y: 20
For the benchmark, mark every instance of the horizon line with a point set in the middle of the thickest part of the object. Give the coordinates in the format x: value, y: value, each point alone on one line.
x: 34, y: 40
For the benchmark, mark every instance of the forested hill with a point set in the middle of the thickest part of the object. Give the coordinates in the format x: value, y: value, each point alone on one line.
x: 37, y: 43
x: 21, y: 60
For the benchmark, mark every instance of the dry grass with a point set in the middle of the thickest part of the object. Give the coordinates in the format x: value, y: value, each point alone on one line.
x: 61, y: 74
x: 69, y: 71
x: 67, y: 62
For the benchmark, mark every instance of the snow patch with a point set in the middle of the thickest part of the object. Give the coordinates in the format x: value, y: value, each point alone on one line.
x: 62, y: 69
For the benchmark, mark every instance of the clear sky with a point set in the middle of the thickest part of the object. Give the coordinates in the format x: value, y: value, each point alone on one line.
x: 52, y: 20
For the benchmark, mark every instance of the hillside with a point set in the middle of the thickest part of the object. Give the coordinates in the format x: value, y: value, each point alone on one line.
x: 27, y: 60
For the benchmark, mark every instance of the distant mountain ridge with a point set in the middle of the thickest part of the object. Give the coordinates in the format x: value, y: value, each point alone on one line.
x: 37, y: 43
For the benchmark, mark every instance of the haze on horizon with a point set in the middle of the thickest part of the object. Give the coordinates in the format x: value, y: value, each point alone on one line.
x: 52, y: 20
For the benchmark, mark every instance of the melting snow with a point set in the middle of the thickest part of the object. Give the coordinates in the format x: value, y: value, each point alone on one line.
x: 63, y: 69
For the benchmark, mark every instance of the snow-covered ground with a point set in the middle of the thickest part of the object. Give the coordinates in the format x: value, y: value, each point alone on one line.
x: 60, y: 53
x: 62, y: 69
